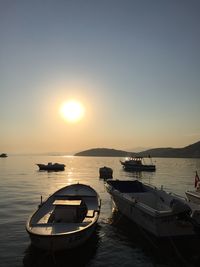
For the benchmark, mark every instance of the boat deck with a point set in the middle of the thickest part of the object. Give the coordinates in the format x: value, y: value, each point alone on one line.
x: 149, y: 199
x: 44, y: 227
x: 45, y: 219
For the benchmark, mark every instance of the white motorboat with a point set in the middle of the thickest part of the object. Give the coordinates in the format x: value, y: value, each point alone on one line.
x: 51, y: 167
x: 137, y: 164
x: 161, y: 213
x: 194, y: 195
x: 66, y: 219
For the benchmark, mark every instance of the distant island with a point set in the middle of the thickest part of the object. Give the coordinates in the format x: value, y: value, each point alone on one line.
x: 190, y: 151
x: 102, y: 152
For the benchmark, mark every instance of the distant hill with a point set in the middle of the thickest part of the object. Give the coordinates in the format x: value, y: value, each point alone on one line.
x: 103, y: 152
x: 190, y: 151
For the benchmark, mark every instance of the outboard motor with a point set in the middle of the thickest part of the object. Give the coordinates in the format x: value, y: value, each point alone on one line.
x: 182, y: 210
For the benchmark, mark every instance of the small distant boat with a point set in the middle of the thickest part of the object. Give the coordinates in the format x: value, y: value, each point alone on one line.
x: 66, y: 219
x: 51, y: 167
x: 3, y: 155
x: 194, y: 195
x: 137, y: 164
x: 105, y: 172
x: 156, y: 211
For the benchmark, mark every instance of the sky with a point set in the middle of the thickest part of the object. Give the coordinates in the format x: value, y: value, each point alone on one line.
x: 134, y: 65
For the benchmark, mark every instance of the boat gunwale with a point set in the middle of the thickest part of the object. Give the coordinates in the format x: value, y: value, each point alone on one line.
x: 193, y: 193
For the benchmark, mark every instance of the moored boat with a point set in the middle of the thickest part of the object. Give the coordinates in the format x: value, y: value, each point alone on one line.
x: 194, y: 195
x: 137, y: 164
x: 51, y: 167
x: 155, y: 210
x: 66, y: 219
x: 3, y: 155
x: 105, y: 172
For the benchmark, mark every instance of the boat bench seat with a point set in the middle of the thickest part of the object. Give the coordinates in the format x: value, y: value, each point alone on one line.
x: 41, y: 225
x: 90, y: 214
x: 45, y: 218
x: 73, y: 196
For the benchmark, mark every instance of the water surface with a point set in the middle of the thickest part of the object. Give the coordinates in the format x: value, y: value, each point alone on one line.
x: 117, y: 242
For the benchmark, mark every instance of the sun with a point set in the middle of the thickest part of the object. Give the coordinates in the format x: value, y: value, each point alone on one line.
x: 72, y: 111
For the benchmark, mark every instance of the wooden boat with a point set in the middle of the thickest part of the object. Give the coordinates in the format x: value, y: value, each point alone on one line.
x: 156, y: 211
x: 51, y: 167
x: 3, y: 155
x: 66, y: 219
x: 105, y: 172
x: 194, y: 195
x: 137, y: 164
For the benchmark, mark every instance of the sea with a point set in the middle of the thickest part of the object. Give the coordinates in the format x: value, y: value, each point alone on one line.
x: 116, y: 242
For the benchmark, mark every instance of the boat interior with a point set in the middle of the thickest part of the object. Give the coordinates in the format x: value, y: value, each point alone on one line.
x: 127, y: 186
x: 65, y: 213
x: 156, y: 201
x: 150, y: 200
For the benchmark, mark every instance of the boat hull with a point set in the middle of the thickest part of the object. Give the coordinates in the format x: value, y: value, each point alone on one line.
x: 51, y: 167
x: 62, y: 242
x: 159, y: 227
x: 128, y: 167
x: 137, y: 164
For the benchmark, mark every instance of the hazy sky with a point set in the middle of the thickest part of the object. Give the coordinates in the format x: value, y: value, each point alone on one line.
x: 133, y: 64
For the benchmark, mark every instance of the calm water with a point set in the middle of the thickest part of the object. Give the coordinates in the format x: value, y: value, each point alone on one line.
x: 116, y: 242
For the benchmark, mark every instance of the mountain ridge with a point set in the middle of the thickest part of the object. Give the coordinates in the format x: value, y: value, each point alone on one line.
x: 189, y: 151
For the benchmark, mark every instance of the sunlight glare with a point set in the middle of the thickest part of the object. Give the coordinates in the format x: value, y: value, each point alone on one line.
x: 72, y: 111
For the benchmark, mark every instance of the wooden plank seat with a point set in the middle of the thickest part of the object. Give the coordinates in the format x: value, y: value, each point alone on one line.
x: 73, y: 196
x: 90, y: 214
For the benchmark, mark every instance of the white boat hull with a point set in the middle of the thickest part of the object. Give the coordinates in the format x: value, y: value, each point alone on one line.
x: 62, y: 242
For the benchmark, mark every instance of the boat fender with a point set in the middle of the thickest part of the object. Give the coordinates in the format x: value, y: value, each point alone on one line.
x: 134, y: 200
